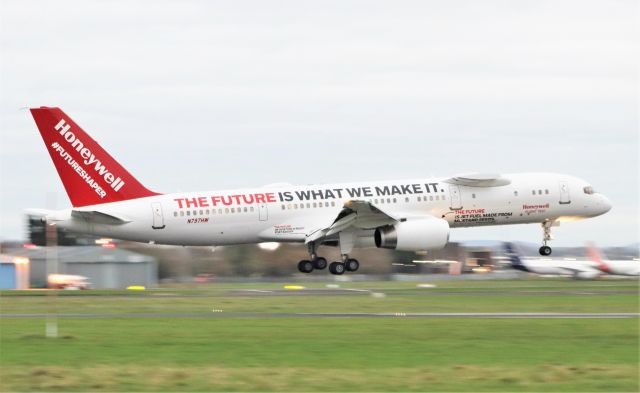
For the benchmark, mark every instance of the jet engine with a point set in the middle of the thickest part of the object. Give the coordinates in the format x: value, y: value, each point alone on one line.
x: 413, y: 235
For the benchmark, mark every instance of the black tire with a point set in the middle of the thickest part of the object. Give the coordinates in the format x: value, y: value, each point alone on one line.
x: 320, y: 263
x: 305, y: 266
x: 545, y: 251
x: 352, y: 265
x: 337, y: 268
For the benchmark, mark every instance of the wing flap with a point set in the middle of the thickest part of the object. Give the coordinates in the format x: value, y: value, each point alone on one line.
x: 357, y: 214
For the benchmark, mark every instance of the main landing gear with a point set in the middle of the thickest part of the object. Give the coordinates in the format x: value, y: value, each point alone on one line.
x: 319, y: 263
x: 314, y: 261
x: 346, y: 265
x: 546, y: 229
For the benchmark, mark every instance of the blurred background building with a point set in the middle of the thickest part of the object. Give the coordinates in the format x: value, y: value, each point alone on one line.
x: 113, y: 264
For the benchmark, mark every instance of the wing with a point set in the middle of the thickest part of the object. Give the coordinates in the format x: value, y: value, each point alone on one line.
x: 479, y: 180
x: 355, y: 214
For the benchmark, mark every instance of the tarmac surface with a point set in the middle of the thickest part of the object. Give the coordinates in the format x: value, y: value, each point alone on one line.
x: 217, y: 314
x: 423, y: 292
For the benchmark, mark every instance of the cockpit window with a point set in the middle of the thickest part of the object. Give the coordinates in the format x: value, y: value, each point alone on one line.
x: 588, y: 190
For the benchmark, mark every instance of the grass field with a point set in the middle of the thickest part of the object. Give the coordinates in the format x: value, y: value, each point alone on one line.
x: 320, y: 354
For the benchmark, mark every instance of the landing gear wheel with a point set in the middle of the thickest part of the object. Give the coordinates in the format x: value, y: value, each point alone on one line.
x: 352, y: 265
x: 337, y: 268
x: 305, y: 266
x: 319, y: 263
x: 545, y: 251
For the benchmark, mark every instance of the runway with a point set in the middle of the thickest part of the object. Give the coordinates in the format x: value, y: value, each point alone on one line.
x: 221, y: 314
x: 412, y: 292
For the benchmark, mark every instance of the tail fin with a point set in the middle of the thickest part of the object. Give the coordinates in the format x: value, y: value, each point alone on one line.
x: 89, y: 174
x: 513, y: 256
x: 594, y: 255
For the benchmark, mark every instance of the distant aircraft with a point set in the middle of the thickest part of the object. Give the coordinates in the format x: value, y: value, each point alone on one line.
x: 409, y: 215
x: 68, y: 281
x: 547, y: 266
x: 619, y: 267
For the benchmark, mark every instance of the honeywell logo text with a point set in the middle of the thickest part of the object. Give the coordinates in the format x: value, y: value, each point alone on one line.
x: 88, y: 158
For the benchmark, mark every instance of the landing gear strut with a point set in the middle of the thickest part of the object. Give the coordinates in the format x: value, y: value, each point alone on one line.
x: 339, y: 267
x: 546, y: 229
x: 314, y: 261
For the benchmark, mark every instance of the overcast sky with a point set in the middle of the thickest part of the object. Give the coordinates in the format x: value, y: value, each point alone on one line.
x: 204, y: 95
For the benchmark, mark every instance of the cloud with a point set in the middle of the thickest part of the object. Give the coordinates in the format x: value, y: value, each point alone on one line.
x: 216, y: 92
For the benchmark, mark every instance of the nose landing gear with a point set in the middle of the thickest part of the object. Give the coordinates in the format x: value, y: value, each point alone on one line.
x: 545, y: 250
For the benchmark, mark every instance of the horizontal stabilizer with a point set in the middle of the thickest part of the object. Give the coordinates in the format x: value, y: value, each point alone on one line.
x: 99, y: 217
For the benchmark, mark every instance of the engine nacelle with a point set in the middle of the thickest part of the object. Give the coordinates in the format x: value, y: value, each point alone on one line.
x: 414, y: 235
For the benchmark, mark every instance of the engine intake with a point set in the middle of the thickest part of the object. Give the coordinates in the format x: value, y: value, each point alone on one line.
x: 413, y: 235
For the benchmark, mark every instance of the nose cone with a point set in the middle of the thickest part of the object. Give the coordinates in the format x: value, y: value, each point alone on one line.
x: 604, y: 205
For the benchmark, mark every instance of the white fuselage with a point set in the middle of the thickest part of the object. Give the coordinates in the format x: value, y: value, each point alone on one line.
x: 559, y: 267
x: 292, y: 213
x: 621, y: 267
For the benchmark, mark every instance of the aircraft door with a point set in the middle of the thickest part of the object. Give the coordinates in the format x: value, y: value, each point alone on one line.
x: 565, y: 199
x: 263, y: 213
x: 456, y: 202
x: 158, y: 218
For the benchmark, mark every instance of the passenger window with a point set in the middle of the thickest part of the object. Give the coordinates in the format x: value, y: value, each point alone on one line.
x: 388, y: 200
x: 219, y: 211
x: 375, y: 201
x: 233, y: 210
x: 533, y: 192
x: 295, y: 206
x: 188, y: 212
x: 302, y: 206
x: 395, y: 200
x: 181, y: 213
x: 546, y: 192
x: 251, y: 209
x: 226, y: 210
x: 431, y: 198
x: 315, y: 204
x: 246, y: 210
x: 283, y: 207
x: 208, y: 212
x: 473, y: 196
x: 333, y: 203
x: 201, y: 212
x: 515, y: 193
x: 175, y: 214
x: 419, y: 199
x: 539, y: 192
x: 326, y: 204
x: 308, y: 205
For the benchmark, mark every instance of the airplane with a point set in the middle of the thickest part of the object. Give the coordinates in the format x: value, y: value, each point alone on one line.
x: 614, y: 267
x: 68, y: 281
x: 547, y: 266
x: 408, y: 215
